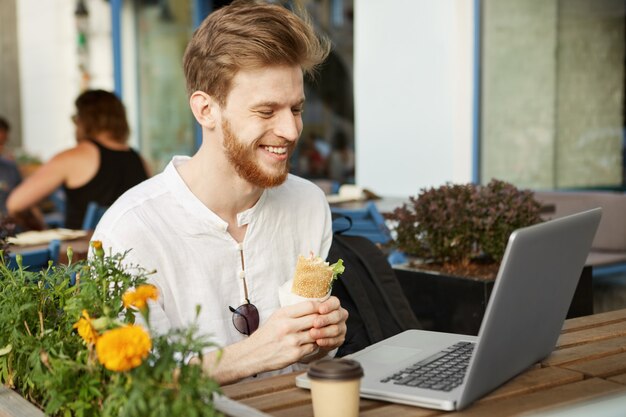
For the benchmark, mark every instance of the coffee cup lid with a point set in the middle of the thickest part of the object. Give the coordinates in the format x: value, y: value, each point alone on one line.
x: 335, y: 369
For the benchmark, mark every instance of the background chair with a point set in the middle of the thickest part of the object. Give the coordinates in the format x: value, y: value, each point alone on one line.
x: 55, y: 215
x: 369, y: 223
x: 93, y: 215
x: 366, y: 222
x: 36, y: 259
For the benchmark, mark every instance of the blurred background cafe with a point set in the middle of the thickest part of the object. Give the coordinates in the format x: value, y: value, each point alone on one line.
x: 416, y: 93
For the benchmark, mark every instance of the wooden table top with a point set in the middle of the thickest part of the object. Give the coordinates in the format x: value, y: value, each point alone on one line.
x: 589, y: 361
x: 80, y: 247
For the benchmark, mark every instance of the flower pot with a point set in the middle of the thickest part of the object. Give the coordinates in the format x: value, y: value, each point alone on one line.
x: 455, y: 304
x: 13, y: 405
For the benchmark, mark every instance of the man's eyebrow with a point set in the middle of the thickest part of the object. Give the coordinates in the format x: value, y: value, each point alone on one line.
x: 275, y: 103
x: 265, y: 104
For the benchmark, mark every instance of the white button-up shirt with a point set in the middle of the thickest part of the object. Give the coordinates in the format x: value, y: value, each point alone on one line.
x: 197, y: 261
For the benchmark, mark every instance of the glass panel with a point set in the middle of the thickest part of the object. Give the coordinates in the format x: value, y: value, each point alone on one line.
x: 326, y: 148
x: 552, y: 94
x: 166, y: 124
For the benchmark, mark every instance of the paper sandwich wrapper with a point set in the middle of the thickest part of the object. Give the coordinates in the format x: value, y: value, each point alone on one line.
x: 287, y: 298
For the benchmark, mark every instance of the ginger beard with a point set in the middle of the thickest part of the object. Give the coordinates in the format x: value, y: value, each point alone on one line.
x: 243, y: 159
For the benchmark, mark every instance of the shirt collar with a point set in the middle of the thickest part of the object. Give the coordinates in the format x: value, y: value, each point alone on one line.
x: 246, y: 216
x: 195, y: 207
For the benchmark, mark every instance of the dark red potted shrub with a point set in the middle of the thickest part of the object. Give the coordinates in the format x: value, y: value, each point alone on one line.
x: 455, y: 236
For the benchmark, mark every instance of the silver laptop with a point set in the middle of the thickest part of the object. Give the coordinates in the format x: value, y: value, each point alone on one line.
x: 531, y: 296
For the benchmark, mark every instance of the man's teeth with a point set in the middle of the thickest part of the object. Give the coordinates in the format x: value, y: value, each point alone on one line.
x: 276, y: 149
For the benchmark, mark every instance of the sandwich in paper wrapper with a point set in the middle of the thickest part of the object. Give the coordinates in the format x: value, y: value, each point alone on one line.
x: 313, y: 279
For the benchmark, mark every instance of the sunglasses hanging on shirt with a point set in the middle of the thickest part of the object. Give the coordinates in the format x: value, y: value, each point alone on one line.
x: 246, y: 316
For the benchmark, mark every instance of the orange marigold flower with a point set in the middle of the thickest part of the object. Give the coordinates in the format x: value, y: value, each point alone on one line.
x: 139, y: 297
x: 123, y: 348
x: 85, y: 328
x: 97, y: 248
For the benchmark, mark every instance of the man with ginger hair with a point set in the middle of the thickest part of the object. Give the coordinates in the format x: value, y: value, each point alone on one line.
x: 224, y: 228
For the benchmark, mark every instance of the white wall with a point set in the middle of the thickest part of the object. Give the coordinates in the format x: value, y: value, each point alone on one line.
x: 413, y: 94
x: 49, y: 75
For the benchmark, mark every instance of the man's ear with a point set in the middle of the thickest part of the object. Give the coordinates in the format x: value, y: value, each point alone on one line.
x: 204, y: 109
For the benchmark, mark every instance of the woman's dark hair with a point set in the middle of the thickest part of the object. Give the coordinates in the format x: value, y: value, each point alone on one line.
x: 4, y: 124
x: 101, y: 111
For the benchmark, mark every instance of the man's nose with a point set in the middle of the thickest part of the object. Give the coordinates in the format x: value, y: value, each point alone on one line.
x: 288, y: 126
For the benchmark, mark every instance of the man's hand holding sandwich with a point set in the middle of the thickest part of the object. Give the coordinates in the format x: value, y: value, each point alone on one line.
x: 303, y: 331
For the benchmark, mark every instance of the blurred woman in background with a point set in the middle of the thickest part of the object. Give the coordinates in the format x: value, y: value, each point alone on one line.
x: 100, y: 168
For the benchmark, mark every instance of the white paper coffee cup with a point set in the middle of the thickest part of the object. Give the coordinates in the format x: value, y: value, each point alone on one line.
x: 335, y: 387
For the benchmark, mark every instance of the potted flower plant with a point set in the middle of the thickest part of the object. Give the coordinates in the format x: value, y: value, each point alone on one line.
x: 456, y: 236
x: 69, y: 343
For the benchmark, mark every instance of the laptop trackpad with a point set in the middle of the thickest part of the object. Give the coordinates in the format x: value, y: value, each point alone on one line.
x: 386, y: 354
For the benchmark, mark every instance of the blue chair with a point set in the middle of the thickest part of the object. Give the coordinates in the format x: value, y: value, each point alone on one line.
x: 397, y: 257
x: 93, y: 215
x: 366, y: 222
x: 56, y: 218
x: 37, y: 259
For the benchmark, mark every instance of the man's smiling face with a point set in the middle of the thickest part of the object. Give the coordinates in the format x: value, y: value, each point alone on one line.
x: 262, y: 121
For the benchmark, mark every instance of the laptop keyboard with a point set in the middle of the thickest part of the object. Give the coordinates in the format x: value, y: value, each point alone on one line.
x: 442, y: 371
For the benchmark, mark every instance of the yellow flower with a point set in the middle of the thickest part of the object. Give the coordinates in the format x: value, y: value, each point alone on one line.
x: 97, y: 248
x: 85, y: 328
x: 123, y: 348
x: 139, y: 297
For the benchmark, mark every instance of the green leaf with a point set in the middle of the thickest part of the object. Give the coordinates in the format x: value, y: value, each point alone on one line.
x: 338, y: 268
x: 6, y: 349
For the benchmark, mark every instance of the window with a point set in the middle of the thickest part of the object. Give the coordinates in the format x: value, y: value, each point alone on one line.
x: 166, y: 125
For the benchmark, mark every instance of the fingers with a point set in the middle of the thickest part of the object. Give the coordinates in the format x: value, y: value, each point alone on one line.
x: 333, y: 317
x: 331, y: 331
x: 326, y: 332
x: 297, y: 339
x: 314, y: 313
x: 331, y: 336
x: 301, y: 309
x: 296, y: 317
x: 303, y: 327
x: 308, y: 349
x: 327, y: 319
x: 332, y: 324
x: 329, y: 305
x: 312, y: 307
x: 278, y: 351
x: 330, y: 343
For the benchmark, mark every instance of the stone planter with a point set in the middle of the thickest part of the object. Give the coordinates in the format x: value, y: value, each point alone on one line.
x: 457, y: 305
x: 13, y: 405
